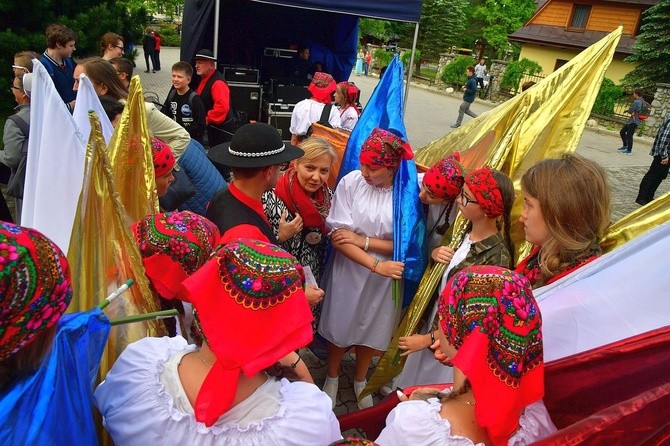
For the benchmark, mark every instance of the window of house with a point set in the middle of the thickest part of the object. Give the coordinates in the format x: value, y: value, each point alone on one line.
x: 559, y: 63
x: 580, y: 16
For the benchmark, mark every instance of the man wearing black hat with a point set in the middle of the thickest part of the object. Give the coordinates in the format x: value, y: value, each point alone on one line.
x: 257, y: 157
x: 215, y: 95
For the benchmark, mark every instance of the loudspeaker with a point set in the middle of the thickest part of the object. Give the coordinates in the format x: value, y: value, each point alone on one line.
x: 240, y: 75
x: 290, y: 94
x: 279, y: 120
x: 246, y: 97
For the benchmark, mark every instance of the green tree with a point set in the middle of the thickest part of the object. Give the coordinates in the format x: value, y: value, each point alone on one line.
x: 24, y: 24
x: 499, y: 18
x: 441, y: 25
x: 652, y: 49
x: 375, y: 28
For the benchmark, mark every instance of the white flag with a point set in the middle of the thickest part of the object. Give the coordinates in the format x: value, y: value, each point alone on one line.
x: 87, y: 100
x: 619, y: 295
x: 55, y: 168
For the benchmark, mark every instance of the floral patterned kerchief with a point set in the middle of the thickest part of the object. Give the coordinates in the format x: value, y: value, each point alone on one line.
x: 445, y: 178
x: 484, y: 187
x: 322, y: 87
x: 252, y: 310
x: 173, y: 246
x: 384, y: 149
x: 489, y: 315
x: 35, y: 286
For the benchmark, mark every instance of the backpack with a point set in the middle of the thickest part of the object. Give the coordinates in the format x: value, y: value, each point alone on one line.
x: 17, y: 179
x: 170, y: 96
x: 323, y: 120
x: 645, y: 112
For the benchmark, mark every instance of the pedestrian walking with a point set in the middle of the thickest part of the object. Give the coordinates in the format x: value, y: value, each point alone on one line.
x: 469, y: 92
x: 628, y: 130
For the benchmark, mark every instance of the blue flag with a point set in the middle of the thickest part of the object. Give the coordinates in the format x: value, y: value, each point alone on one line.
x: 384, y: 110
x: 55, y: 404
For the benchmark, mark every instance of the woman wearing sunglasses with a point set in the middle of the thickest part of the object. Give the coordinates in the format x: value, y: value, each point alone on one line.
x: 485, y: 201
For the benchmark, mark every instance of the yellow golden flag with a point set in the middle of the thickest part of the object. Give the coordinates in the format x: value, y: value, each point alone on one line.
x: 545, y: 121
x: 103, y: 253
x: 131, y: 159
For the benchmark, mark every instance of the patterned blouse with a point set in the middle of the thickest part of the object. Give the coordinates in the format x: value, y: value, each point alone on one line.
x: 308, y: 254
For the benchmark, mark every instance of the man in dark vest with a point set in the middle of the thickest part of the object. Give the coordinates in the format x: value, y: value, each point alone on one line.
x: 257, y: 157
x: 215, y: 95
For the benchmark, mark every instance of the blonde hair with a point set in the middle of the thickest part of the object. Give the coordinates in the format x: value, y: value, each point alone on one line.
x: 574, y: 198
x: 314, y: 147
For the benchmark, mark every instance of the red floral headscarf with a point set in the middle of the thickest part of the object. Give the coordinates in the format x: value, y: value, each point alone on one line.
x: 445, y: 178
x: 35, y: 286
x: 251, y: 305
x: 173, y: 246
x: 163, y: 157
x: 322, y: 87
x: 384, y: 149
x: 484, y: 187
x: 489, y: 315
x: 350, y: 90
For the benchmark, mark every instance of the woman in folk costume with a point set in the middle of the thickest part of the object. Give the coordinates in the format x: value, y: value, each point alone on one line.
x: 251, y: 309
x: 485, y: 201
x: 345, y: 97
x: 174, y: 245
x: 358, y: 308
x: 309, y: 111
x: 490, y: 330
x: 44, y: 397
x: 566, y: 210
x: 440, y: 187
x: 298, y: 206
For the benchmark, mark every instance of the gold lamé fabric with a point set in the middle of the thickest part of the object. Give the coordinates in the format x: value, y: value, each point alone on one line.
x: 103, y: 253
x: 131, y: 159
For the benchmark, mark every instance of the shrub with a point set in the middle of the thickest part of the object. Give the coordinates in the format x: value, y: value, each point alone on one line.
x: 516, y: 70
x: 608, y: 95
x: 169, y: 36
x: 382, y: 58
x: 454, y: 73
x: 406, y: 55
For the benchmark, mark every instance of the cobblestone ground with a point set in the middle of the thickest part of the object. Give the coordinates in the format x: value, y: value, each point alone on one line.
x: 428, y: 116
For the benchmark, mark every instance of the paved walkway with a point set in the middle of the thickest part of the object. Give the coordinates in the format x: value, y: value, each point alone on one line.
x: 429, y: 115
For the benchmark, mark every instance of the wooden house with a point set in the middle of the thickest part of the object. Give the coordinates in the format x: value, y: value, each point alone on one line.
x: 560, y: 29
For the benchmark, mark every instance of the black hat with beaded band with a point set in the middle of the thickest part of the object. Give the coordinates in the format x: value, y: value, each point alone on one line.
x: 254, y: 145
x: 205, y: 54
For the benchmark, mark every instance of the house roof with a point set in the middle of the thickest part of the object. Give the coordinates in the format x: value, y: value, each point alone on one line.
x: 557, y: 36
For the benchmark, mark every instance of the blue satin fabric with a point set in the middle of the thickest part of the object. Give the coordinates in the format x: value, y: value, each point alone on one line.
x: 54, y: 406
x: 384, y: 109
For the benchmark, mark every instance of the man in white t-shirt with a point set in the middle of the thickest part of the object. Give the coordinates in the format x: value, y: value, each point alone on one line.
x: 309, y: 111
x: 480, y: 72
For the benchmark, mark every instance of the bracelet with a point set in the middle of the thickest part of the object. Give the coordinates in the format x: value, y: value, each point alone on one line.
x: 296, y: 362
x: 432, y: 339
x: 367, y: 244
x: 374, y: 265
